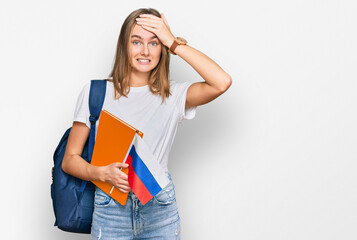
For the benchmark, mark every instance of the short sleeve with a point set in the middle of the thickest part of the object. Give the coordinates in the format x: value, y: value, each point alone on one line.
x: 179, y: 90
x: 81, y: 113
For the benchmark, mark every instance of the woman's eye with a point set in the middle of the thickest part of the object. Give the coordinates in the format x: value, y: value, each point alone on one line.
x: 154, y: 44
x: 136, y: 42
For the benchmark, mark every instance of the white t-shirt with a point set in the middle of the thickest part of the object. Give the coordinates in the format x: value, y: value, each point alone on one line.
x: 144, y: 111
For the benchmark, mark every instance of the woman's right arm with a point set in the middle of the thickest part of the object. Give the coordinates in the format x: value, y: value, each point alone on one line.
x: 76, y: 166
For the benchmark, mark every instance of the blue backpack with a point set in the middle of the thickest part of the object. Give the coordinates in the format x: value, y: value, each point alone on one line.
x: 73, y: 198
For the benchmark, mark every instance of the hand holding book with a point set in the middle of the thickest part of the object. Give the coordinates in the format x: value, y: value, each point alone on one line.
x: 115, y: 176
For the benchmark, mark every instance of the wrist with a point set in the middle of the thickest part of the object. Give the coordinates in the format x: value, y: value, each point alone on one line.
x: 178, y: 41
x: 170, y: 42
x: 98, y: 173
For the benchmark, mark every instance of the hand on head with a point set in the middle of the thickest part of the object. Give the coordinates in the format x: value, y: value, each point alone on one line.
x: 158, y: 26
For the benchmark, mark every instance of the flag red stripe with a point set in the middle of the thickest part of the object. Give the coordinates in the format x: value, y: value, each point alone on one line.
x: 136, y: 184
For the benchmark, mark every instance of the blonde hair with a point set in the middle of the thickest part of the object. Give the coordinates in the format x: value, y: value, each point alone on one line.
x: 159, y: 77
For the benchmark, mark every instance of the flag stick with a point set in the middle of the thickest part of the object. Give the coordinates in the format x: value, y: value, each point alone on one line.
x: 126, y: 156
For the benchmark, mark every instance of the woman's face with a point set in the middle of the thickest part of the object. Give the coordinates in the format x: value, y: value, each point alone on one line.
x: 144, y: 50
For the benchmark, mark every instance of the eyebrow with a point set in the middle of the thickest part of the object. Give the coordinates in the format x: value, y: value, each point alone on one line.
x: 137, y: 36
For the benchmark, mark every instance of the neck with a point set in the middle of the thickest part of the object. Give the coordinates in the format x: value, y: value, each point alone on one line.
x: 139, y: 79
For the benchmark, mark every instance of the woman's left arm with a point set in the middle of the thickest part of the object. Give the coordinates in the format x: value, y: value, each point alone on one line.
x: 216, y: 82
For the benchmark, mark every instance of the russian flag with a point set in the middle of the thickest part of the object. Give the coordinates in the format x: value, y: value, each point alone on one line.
x: 146, y: 176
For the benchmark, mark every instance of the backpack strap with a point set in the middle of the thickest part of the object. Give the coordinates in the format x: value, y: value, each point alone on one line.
x: 96, y: 100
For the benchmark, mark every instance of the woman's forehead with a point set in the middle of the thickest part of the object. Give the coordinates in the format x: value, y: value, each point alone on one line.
x: 139, y: 31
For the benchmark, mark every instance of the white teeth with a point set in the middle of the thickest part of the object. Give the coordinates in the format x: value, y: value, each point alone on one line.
x: 143, y: 60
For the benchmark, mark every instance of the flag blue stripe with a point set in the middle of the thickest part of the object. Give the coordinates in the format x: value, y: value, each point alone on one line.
x: 144, y: 173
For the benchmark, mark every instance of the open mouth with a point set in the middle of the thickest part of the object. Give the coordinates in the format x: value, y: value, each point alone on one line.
x: 143, y: 60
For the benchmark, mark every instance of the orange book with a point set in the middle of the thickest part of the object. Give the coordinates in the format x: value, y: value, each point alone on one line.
x: 113, y: 140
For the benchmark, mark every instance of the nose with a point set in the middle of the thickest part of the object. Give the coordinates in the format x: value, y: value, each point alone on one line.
x: 145, y: 50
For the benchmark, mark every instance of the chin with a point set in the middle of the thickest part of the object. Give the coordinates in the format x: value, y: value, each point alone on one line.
x: 142, y: 69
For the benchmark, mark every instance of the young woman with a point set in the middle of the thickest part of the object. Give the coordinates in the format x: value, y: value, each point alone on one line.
x: 140, y: 93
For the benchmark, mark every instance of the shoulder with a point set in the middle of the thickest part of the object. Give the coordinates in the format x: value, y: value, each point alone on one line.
x: 86, y: 87
x: 84, y: 92
x: 179, y: 91
x: 179, y: 87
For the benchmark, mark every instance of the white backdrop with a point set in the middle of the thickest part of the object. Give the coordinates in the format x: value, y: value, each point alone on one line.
x: 274, y: 158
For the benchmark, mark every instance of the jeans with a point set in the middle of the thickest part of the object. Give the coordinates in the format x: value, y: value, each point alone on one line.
x: 157, y: 219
